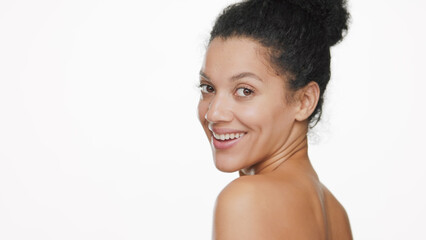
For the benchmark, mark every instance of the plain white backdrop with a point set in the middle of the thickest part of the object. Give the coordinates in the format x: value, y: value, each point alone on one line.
x: 99, y: 137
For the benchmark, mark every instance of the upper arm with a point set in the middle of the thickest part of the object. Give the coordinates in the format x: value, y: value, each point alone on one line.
x: 248, y: 210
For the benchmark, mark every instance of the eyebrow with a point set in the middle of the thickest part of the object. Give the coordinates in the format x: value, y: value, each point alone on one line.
x: 203, y: 75
x: 246, y: 74
x: 235, y: 77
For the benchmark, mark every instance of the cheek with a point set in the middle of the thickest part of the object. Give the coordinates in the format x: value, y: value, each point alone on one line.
x: 254, y: 114
x: 268, y: 118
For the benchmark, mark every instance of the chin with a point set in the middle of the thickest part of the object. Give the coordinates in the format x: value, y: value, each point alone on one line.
x: 228, y: 165
x: 226, y: 169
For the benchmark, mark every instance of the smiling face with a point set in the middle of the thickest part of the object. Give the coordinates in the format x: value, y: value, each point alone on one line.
x: 242, y: 107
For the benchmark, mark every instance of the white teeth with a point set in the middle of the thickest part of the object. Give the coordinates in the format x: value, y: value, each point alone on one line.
x: 227, y: 136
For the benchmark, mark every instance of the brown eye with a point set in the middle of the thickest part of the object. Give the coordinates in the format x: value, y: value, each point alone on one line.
x: 205, y: 88
x: 244, y: 92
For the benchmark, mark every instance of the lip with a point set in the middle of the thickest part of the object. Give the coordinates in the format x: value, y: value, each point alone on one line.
x: 224, y: 130
x: 225, y: 144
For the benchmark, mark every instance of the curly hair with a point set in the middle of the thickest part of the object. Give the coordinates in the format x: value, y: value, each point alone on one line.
x: 297, y: 33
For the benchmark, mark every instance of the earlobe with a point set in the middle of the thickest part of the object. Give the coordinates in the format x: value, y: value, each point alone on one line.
x: 308, y: 100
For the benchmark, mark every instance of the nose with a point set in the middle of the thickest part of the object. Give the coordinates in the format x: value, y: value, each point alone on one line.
x: 219, y: 110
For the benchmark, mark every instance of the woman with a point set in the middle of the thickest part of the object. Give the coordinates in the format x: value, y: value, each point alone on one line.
x: 266, y: 68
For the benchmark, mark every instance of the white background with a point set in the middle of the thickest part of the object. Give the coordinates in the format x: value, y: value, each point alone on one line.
x: 99, y: 137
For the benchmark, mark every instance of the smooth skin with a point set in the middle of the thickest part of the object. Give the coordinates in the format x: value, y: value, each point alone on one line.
x: 282, y: 198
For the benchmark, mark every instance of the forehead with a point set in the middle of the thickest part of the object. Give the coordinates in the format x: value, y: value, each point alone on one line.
x: 227, y: 57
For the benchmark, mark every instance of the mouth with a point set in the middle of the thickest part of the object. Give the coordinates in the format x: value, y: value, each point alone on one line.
x: 227, y: 136
x: 226, y: 140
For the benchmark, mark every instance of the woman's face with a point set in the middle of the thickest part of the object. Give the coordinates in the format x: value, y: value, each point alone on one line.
x: 242, y: 106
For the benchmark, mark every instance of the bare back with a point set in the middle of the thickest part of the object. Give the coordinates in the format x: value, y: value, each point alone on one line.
x: 330, y: 217
x: 287, y: 204
x: 338, y: 226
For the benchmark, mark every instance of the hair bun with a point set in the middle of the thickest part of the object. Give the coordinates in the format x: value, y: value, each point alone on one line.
x: 332, y: 13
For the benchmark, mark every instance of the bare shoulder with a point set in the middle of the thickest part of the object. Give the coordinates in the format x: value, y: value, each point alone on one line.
x: 263, y: 207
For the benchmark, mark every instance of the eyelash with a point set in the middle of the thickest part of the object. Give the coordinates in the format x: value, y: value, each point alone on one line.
x: 204, y: 85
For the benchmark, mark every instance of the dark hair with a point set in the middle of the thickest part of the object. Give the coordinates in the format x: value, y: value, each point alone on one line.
x: 297, y: 33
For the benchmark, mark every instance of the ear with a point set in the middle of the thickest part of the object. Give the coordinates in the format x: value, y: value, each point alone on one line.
x: 307, y: 98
